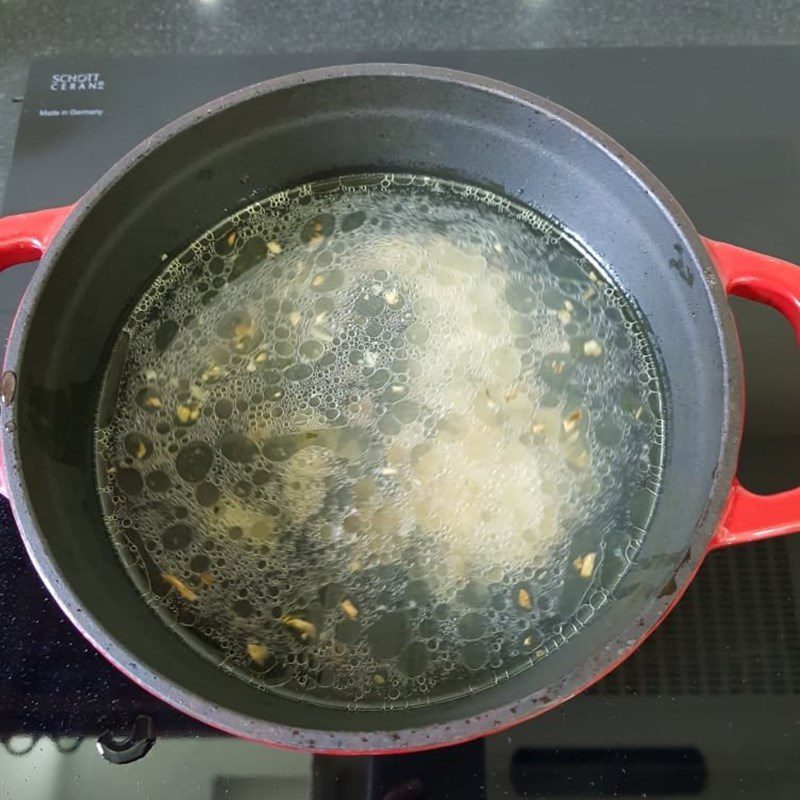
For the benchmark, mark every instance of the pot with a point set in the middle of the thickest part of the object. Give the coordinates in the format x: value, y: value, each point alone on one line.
x: 98, y: 257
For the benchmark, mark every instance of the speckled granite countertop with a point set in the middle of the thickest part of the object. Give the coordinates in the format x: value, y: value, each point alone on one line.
x: 30, y: 28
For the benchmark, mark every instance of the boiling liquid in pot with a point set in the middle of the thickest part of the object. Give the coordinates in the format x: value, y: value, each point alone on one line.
x: 380, y: 441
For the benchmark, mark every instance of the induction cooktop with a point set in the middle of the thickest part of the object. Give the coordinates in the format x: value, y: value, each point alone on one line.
x: 708, y: 707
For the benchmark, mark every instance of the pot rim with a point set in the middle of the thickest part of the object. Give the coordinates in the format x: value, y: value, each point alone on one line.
x: 438, y: 734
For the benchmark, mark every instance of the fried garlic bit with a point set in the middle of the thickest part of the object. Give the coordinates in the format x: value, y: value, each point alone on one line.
x: 571, y: 421
x: 187, y: 413
x: 585, y: 564
x: 581, y: 460
x: 378, y: 679
x: 183, y: 590
x: 210, y: 373
x: 274, y: 247
x: 316, y: 235
x: 351, y: 612
x: 592, y: 348
x: 243, y: 332
x: 257, y: 652
x: 524, y: 599
x: 258, y: 358
x: 305, y: 630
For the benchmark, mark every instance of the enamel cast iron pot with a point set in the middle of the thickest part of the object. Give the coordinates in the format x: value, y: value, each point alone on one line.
x: 98, y: 257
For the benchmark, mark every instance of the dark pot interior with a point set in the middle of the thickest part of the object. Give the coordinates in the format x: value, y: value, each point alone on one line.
x: 280, y: 134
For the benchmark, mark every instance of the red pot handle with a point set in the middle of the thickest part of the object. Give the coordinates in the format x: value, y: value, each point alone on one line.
x: 23, y: 238
x: 748, y: 516
x: 26, y: 237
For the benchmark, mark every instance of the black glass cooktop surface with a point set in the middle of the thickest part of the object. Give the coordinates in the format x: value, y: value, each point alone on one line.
x: 708, y: 707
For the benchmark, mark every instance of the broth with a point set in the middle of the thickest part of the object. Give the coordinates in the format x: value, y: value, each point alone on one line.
x: 380, y: 441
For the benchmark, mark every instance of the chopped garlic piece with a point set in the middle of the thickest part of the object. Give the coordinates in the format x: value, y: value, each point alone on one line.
x: 585, y: 564
x: 257, y: 652
x: 349, y: 608
x: 592, y: 348
x: 183, y: 590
